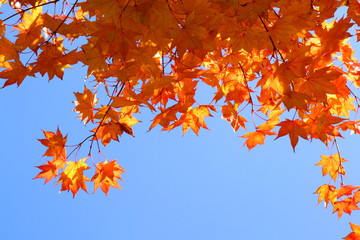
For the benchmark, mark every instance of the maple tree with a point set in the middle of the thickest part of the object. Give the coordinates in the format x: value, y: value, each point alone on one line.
x: 275, y: 67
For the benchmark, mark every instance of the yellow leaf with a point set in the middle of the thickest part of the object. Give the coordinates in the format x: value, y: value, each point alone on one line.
x: 73, y: 178
x: 332, y: 165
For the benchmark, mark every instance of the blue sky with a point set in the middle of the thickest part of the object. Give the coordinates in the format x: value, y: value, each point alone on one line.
x: 206, y: 187
x: 175, y: 188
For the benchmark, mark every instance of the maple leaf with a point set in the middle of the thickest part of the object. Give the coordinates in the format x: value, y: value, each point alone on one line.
x: 73, y: 178
x: 195, y: 118
x: 164, y: 118
x: 346, y: 206
x: 107, y: 175
x: 111, y: 131
x: 357, y: 196
x: 355, y: 234
x: 30, y: 30
x: 293, y: 99
x: 256, y: 138
x: 52, y: 60
x: 354, y: 10
x: 327, y: 193
x: 8, y: 50
x: 106, y: 113
x: 16, y: 72
x: 332, y: 165
x: 85, y: 105
x: 345, y: 190
x: 119, y: 102
x: 48, y: 171
x: 230, y: 114
x: 293, y: 128
x: 282, y: 29
x: 336, y: 31
x: 55, y: 143
x: 320, y: 83
x: 320, y: 125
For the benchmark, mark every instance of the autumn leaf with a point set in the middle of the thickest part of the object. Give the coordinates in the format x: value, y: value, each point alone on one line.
x: 55, y: 143
x: 106, y: 113
x: 298, y: 100
x: 119, y: 102
x: 85, y: 105
x: 355, y: 234
x: 321, y: 83
x: 284, y: 28
x: 15, y: 73
x: 256, y: 138
x: 345, y: 206
x: 73, y: 178
x: 164, y: 118
x: 194, y: 118
x: 107, y: 175
x: 8, y: 50
x: 293, y: 128
x: 357, y: 196
x: 53, y: 60
x: 30, y: 30
x: 48, y: 171
x: 321, y: 125
x: 230, y: 114
x: 346, y: 190
x: 111, y: 131
x: 327, y: 193
x: 332, y: 165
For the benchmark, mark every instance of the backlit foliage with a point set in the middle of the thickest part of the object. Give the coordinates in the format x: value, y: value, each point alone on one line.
x: 275, y: 67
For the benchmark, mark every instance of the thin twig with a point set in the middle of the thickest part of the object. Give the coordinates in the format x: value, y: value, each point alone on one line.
x: 27, y: 9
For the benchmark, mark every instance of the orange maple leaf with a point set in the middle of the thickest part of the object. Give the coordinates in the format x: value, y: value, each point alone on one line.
x: 230, y: 114
x: 345, y: 190
x: 320, y: 125
x: 16, y: 72
x: 85, y: 105
x: 195, y: 118
x: 55, y: 143
x: 107, y: 113
x: 293, y: 99
x: 357, y: 196
x: 73, y: 178
x: 8, y: 50
x: 256, y: 138
x: 320, y: 83
x: 111, y: 131
x: 332, y: 165
x: 49, y: 171
x: 355, y: 234
x: 294, y: 128
x: 345, y: 206
x: 30, y: 29
x: 164, y: 118
x: 52, y: 60
x: 107, y: 174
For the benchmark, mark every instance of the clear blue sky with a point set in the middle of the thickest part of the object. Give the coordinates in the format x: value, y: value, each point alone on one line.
x: 175, y: 188
x: 207, y: 187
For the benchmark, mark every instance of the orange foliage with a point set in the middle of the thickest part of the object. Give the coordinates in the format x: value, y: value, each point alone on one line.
x: 274, y: 67
x: 106, y: 175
